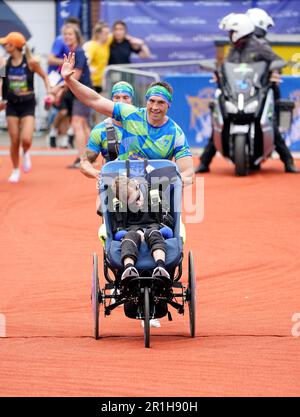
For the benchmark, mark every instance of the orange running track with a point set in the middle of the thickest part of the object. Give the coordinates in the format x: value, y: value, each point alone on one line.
x: 248, y: 288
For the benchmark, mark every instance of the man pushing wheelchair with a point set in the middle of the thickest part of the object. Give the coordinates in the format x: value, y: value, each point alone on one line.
x: 143, y: 244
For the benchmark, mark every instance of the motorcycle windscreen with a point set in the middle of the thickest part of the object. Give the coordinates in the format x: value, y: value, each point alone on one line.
x: 244, y: 78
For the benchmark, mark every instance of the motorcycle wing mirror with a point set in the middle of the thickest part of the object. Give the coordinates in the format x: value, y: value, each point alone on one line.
x: 208, y: 64
x: 277, y: 65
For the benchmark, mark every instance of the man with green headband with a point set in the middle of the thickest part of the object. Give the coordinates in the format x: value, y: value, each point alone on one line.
x: 148, y: 133
x: 122, y: 92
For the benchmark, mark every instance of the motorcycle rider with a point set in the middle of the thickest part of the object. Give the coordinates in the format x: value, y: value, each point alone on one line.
x: 262, y: 22
x: 247, y: 48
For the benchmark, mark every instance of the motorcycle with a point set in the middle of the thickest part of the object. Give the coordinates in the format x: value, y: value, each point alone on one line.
x: 243, y: 112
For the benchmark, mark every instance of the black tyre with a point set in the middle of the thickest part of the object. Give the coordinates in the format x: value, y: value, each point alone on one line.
x: 146, y: 317
x: 241, y: 155
x: 95, y: 296
x: 192, y: 295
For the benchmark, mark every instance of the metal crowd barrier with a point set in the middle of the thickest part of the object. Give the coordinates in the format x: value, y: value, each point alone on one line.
x: 140, y: 75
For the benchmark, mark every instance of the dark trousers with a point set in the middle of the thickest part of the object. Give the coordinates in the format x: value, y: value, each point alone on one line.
x: 280, y: 147
x: 131, y: 242
x: 209, y: 152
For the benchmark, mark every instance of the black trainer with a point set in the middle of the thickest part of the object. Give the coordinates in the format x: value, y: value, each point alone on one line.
x: 52, y: 141
x: 290, y: 167
x: 202, y: 168
x: 71, y: 141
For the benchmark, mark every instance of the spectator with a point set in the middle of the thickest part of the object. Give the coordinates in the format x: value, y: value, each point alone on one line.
x: 60, y: 115
x: 97, y: 51
x: 123, y: 45
x: 80, y: 112
x: 2, y: 66
x: 59, y: 48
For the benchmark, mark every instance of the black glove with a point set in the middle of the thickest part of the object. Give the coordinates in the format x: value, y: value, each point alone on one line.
x: 168, y: 220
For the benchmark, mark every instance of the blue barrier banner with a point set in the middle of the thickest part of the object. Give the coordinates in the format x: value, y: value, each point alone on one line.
x: 290, y: 89
x: 190, y: 107
x: 192, y: 94
x: 180, y: 30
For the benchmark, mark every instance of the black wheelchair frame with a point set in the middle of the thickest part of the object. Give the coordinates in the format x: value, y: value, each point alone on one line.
x: 148, y: 294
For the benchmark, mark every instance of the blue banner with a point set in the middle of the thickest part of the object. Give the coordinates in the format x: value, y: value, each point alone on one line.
x: 190, y: 107
x: 291, y: 89
x: 74, y: 8
x: 180, y: 30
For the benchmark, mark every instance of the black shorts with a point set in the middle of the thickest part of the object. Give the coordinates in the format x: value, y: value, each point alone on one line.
x: 66, y: 103
x: 21, y: 109
x: 98, y: 89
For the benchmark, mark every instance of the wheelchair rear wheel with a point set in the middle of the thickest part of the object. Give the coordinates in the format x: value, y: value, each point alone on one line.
x: 95, y: 296
x: 192, y: 295
x: 146, y: 317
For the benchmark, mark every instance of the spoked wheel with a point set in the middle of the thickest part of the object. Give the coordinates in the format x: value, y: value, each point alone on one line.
x: 146, y: 317
x: 241, y: 155
x: 95, y: 296
x: 191, y: 298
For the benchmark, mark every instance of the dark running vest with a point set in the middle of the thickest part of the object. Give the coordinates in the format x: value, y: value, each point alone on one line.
x: 18, y: 80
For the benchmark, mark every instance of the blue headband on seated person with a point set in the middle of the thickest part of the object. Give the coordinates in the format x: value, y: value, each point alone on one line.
x: 160, y: 91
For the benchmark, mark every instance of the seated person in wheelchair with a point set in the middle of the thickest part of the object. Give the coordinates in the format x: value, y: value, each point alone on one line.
x: 140, y: 223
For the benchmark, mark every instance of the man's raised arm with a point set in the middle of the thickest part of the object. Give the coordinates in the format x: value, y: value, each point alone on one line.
x: 85, y: 94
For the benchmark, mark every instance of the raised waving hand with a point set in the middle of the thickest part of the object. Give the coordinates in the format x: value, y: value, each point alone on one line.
x: 67, y: 68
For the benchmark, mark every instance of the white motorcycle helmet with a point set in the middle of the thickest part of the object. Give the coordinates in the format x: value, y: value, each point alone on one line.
x: 260, y: 18
x: 239, y: 24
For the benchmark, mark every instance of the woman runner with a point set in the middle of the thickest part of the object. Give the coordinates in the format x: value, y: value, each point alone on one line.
x: 18, y: 91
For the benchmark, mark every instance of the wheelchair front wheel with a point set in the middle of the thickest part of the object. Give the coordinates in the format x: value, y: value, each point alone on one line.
x: 95, y: 296
x: 192, y: 295
x: 146, y: 317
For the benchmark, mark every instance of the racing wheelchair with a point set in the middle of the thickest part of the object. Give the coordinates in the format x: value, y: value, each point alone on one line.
x: 143, y: 297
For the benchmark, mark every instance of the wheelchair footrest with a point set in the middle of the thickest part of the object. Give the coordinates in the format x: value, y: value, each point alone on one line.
x: 177, y: 284
x: 108, y: 309
x: 109, y: 286
x: 177, y: 306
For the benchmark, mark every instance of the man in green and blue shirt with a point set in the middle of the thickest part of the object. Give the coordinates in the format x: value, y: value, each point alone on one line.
x: 148, y: 133
x: 143, y: 139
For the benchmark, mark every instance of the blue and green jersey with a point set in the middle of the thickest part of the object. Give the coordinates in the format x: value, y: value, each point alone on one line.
x: 98, y: 142
x: 138, y: 139
x: 141, y: 140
